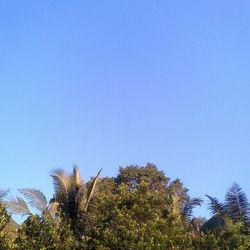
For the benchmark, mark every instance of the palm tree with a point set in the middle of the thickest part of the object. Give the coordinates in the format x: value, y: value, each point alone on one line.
x: 188, y: 207
x: 235, y: 208
x: 73, y: 196
x: 182, y: 204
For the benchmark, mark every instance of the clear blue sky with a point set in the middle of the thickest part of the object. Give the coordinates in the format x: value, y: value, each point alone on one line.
x: 110, y: 83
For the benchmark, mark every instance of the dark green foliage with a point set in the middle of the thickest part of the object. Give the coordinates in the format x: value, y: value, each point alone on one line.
x: 134, y: 211
x: 136, y: 219
x: 134, y: 175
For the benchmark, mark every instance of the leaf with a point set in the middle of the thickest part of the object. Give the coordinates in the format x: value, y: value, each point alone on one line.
x: 61, y: 183
x: 35, y: 198
x: 215, y: 206
x: 237, y: 203
x: 77, y: 176
x: 18, y: 206
x: 91, y: 190
x: 189, y: 206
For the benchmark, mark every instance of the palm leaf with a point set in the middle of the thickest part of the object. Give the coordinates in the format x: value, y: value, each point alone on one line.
x: 91, y: 190
x: 189, y: 206
x: 35, y: 198
x: 215, y: 206
x: 77, y: 176
x: 61, y: 183
x: 18, y: 206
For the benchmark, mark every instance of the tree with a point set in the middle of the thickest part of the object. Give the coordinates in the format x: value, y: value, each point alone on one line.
x: 235, y: 208
x: 73, y: 197
x: 182, y: 206
x: 44, y: 232
x: 133, y: 212
x: 133, y: 175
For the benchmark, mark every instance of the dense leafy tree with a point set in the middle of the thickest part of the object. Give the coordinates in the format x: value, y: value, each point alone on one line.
x: 133, y: 175
x: 134, y: 212
x: 44, y: 232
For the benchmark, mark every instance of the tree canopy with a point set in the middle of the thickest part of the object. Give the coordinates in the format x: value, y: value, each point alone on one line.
x: 140, y: 208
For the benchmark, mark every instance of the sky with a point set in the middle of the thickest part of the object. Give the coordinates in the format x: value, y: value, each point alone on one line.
x: 104, y: 84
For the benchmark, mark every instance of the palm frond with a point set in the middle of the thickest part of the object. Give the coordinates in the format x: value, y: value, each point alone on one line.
x: 215, y: 206
x: 91, y: 190
x: 189, y: 206
x: 35, y: 198
x: 61, y: 182
x: 237, y: 203
x: 77, y: 176
x: 18, y: 206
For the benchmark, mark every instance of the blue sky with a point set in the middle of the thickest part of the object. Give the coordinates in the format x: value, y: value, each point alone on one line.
x: 110, y: 83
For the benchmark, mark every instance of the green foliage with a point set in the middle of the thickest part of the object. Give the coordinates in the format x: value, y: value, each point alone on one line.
x: 138, y: 209
x: 229, y: 237
x: 6, y: 233
x: 134, y: 213
x: 133, y: 175
x: 43, y: 232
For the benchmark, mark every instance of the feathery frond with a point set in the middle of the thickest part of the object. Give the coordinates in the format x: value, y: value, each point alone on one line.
x: 237, y: 203
x: 189, y: 206
x: 18, y: 206
x: 77, y: 176
x: 215, y: 206
x: 35, y: 198
x: 61, y: 182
